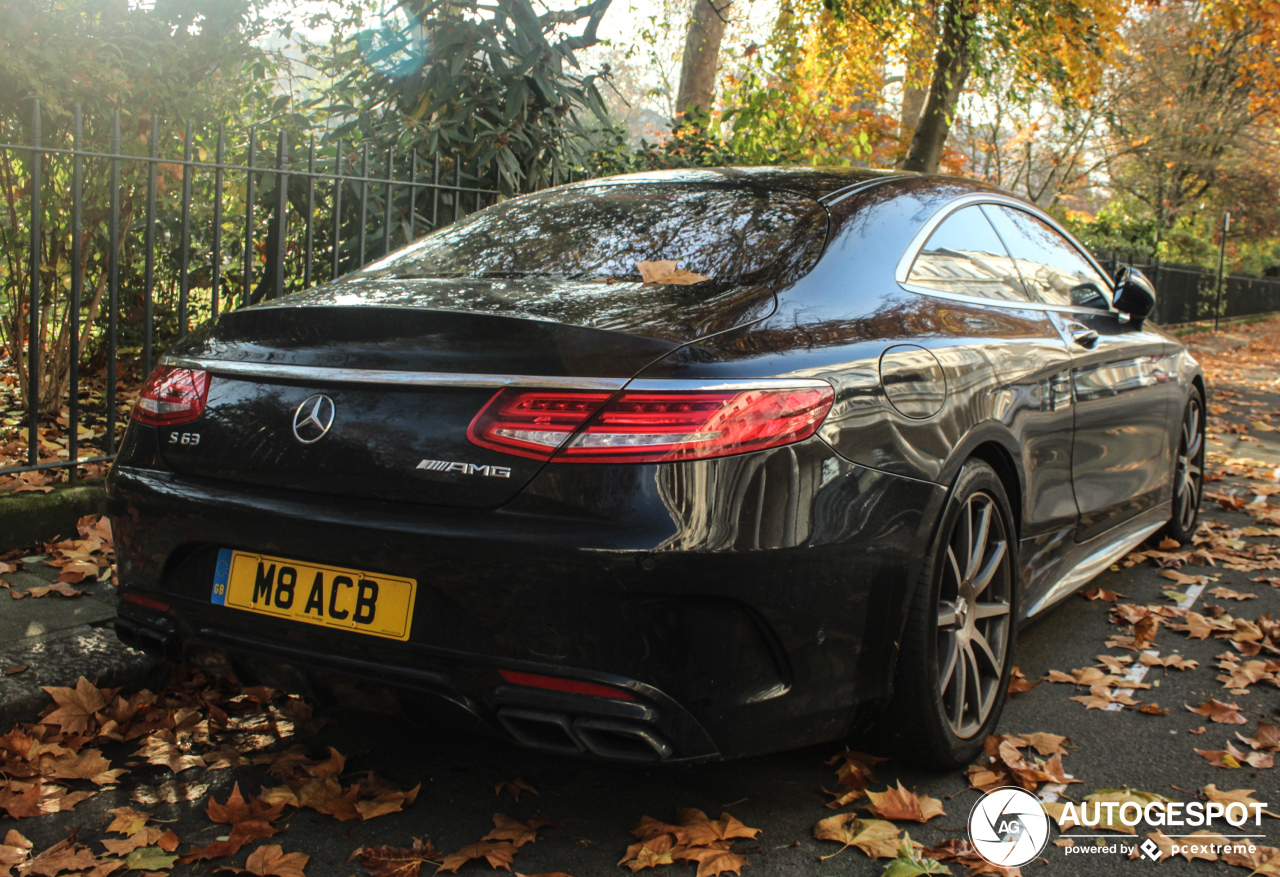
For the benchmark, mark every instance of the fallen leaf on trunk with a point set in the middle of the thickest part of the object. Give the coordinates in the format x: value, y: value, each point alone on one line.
x: 665, y: 271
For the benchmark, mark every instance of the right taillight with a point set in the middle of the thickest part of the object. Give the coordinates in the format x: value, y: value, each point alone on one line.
x: 648, y: 427
x: 172, y: 395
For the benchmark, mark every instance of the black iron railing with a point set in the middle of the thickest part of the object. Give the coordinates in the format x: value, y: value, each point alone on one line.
x: 1188, y: 294
x: 264, y: 222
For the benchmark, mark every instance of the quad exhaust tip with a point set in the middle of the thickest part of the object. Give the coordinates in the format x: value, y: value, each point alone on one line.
x: 605, y: 737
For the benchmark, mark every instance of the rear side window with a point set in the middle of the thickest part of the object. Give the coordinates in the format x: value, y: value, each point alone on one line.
x: 1054, y: 270
x: 964, y: 255
x: 602, y: 233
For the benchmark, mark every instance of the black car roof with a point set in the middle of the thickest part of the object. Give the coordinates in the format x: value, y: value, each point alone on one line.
x: 814, y: 182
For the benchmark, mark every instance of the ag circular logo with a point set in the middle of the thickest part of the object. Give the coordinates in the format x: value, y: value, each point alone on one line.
x: 1008, y: 827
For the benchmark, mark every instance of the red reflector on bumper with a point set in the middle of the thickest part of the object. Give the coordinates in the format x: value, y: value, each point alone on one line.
x: 150, y: 603
x: 573, y: 686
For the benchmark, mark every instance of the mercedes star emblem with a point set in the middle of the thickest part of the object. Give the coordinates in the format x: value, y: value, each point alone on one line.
x: 313, y: 418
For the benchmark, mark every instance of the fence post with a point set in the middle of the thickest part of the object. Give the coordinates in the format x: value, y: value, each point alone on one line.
x: 184, y: 253
x: 216, y: 268
x: 364, y: 205
x: 149, y: 244
x: 77, y: 289
x: 412, y: 234
x: 337, y: 211
x: 282, y: 212
x: 386, y: 205
x: 1156, y: 283
x: 248, y: 219
x: 113, y: 282
x: 1222, y: 258
x: 33, y: 296
x: 311, y: 212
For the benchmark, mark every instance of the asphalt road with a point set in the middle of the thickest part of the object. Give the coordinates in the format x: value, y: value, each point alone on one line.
x: 783, y: 794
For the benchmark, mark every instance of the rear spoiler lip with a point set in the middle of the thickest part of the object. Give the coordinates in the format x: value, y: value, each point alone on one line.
x: 325, y: 375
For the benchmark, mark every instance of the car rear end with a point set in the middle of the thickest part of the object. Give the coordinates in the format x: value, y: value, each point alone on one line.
x: 455, y: 493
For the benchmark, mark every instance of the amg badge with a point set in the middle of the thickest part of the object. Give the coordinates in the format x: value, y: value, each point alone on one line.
x: 465, y: 468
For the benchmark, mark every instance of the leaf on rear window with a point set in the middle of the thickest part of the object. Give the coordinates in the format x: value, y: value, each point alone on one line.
x: 665, y: 271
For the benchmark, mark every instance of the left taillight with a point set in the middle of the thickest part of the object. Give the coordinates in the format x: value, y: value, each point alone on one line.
x: 648, y: 427
x: 172, y: 395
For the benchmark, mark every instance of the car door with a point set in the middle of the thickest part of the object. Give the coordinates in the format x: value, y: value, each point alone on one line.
x: 964, y: 259
x: 1120, y: 459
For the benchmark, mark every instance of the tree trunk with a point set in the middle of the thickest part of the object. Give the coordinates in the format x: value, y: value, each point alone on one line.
x: 950, y: 70
x: 701, y: 56
x: 919, y: 64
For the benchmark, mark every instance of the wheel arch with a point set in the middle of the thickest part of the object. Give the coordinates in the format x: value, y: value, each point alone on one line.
x: 994, y: 444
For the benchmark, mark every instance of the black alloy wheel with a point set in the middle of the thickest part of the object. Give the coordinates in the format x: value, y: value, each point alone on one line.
x: 954, y: 666
x: 1188, y: 472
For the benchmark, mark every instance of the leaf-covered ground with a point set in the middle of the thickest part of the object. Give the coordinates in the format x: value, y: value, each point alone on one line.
x: 1159, y: 684
x: 53, y: 433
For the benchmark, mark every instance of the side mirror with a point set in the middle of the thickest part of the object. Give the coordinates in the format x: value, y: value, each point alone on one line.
x: 1134, y: 295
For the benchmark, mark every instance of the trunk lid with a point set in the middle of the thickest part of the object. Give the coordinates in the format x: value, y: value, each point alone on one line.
x: 403, y: 384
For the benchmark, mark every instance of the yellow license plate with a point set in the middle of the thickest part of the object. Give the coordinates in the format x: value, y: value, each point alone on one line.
x: 329, y: 596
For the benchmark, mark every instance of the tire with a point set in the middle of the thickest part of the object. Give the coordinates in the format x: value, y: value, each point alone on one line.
x: 955, y: 659
x: 1188, y: 472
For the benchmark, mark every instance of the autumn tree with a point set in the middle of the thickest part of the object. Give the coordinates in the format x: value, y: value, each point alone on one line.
x: 813, y: 93
x: 1193, y: 130
x: 1062, y: 43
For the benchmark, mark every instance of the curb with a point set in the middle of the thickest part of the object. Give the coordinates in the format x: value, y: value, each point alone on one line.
x: 91, y: 652
x: 27, y: 519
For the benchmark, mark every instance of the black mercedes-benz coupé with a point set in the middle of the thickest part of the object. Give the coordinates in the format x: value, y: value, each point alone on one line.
x: 672, y: 466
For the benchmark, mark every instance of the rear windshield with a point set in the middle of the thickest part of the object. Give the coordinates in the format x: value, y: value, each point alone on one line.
x: 602, y: 233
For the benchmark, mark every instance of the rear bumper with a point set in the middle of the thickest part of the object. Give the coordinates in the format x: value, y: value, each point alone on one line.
x: 728, y: 643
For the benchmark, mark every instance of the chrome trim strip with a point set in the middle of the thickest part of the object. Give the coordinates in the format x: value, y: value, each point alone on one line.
x: 1006, y: 303
x: 328, y: 375
x: 729, y: 386
x: 1110, y: 547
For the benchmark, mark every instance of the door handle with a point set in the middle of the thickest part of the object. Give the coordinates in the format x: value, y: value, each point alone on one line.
x: 1086, y: 338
